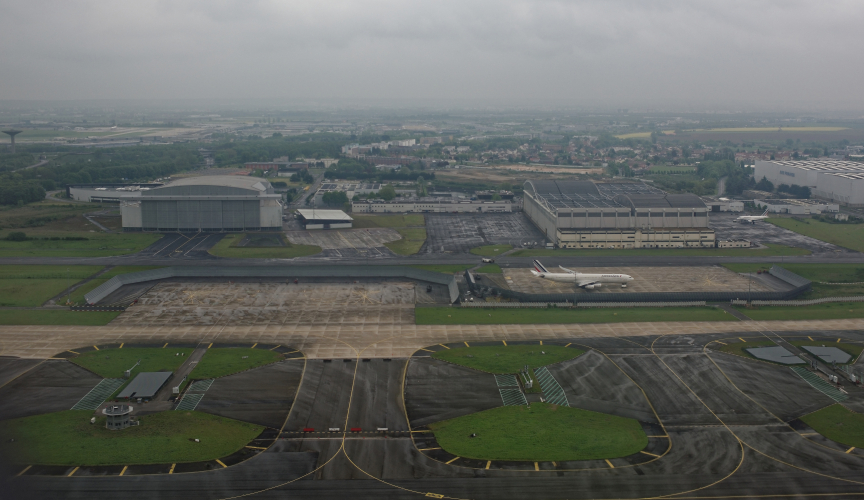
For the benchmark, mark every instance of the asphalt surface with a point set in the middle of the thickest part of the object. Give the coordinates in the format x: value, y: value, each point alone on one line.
x: 53, y: 385
x: 731, y: 423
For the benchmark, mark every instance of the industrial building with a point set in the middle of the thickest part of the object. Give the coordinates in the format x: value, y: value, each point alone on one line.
x: 723, y: 205
x: 105, y: 193
x: 584, y: 214
x: 431, y: 205
x: 207, y: 203
x: 838, y: 181
x: 324, y: 219
x: 797, y: 207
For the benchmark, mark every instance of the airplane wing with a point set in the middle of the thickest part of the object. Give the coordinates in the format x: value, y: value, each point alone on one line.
x: 586, y: 282
x: 567, y: 270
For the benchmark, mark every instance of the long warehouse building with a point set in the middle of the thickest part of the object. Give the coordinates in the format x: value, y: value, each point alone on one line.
x: 206, y: 203
x: 584, y: 214
x: 833, y: 180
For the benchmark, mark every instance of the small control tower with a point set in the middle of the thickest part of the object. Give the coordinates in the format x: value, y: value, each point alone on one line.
x: 12, y: 134
x: 118, y: 417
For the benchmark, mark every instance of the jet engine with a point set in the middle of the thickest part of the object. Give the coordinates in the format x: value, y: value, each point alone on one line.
x: 589, y: 287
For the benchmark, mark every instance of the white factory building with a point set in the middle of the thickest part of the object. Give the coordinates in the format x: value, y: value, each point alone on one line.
x: 838, y: 181
x: 797, y: 207
x: 430, y: 205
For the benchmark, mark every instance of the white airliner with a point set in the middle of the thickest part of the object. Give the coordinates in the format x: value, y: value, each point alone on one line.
x: 752, y: 218
x: 589, y: 281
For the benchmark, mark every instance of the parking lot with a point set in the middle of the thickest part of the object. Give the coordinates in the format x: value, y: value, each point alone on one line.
x: 366, y: 243
x: 273, y: 304
x: 459, y: 233
x: 645, y: 279
x: 764, y: 232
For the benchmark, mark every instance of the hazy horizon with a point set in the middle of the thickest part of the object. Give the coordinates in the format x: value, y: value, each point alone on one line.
x: 672, y: 55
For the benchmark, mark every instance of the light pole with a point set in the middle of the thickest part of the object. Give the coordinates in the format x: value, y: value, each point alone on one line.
x: 68, y: 285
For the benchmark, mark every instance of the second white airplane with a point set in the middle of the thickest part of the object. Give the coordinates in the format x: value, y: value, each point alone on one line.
x: 751, y: 219
x: 588, y: 281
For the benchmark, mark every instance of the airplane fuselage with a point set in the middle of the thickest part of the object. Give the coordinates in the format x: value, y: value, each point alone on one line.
x: 577, y: 277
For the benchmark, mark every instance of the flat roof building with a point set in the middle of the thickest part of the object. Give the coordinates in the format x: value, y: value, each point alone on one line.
x: 324, y: 219
x: 584, y: 214
x: 206, y: 203
x: 797, y: 207
x: 145, y: 385
x: 834, y: 180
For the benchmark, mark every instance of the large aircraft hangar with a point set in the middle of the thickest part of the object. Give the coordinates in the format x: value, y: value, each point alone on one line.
x: 206, y: 203
x: 584, y: 214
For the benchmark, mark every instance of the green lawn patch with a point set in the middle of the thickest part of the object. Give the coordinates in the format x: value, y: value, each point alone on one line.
x: 838, y: 424
x: 394, y: 221
x: 68, y: 438
x: 849, y: 236
x: 223, y: 361
x: 834, y: 310
x: 491, y: 250
x: 111, y: 363
x: 226, y: 247
x: 507, y: 358
x: 852, y: 349
x: 96, y: 245
x: 490, y: 269
x: 771, y: 251
x: 738, y: 347
x: 411, y: 242
x: 844, y: 279
x: 542, y: 433
x: 443, y: 268
x: 31, y: 286
x: 55, y: 317
x: 470, y: 316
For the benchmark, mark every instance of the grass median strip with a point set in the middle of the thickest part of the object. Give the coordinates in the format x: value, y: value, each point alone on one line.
x: 223, y: 361
x: 56, y: 317
x: 544, y: 432
x: 832, y: 310
x: 411, y: 242
x: 478, y: 316
x: 507, y: 359
x: 839, y: 424
x: 111, y: 363
x: 166, y: 437
x: 849, y: 236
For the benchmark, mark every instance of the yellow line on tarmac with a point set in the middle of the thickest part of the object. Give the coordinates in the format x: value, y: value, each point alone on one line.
x: 428, y: 449
x: 124, y: 470
x: 488, y: 464
x: 208, y: 347
x: 850, y: 450
x: 220, y: 463
x: 504, y: 341
x: 73, y: 472
x: 536, y: 466
x: 278, y: 346
x: 433, y: 495
x: 444, y: 346
x: 742, y: 340
x: 609, y: 464
x: 809, y: 434
x: 256, y: 447
x: 466, y: 344
x: 94, y: 347
x: 73, y: 352
x: 164, y: 346
x: 253, y: 345
x: 541, y: 342
x: 724, y: 343
x: 811, y: 338
x: 121, y: 345
x: 838, y: 340
x: 568, y: 345
x: 427, y: 350
x: 453, y: 460
x: 554, y: 464
x: 23, y: 471
x: 421, y: 431
x: 171, y: 470
x: 651, y: 454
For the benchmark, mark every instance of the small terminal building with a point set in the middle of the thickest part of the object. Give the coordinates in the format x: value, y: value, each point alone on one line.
x: 324, y: 219
x: 206, y: 203
x: 584, y: 214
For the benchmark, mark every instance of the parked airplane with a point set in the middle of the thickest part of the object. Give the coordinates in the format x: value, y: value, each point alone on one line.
x: 752, y: 218
x: 589, y: 281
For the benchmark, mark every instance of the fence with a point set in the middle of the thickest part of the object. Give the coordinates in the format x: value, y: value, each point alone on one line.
x: 824, y: 300
x: 515, y: 305
x: 346, y: 272
x: 695, y: 303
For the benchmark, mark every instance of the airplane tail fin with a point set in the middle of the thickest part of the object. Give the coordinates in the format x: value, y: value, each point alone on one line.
x: 765, y: 214
x: 539, y: 267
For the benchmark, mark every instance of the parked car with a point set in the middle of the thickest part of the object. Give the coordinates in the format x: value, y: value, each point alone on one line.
x: 487, y: 260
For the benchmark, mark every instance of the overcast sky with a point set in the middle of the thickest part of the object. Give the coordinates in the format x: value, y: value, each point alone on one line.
x: 607, y: 53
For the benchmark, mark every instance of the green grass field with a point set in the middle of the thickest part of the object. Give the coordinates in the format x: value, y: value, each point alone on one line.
x: 411, y: 242
x: 839, y: 424
x: 31, y: 286
x: 219, y: 362
x: 489, y: 269
x: 835, y: 310
x: 670, y: 169
x: 394, y: 221
x: 443, y: 268
x: 771, y: 251
x: 226, y: 248
x: 849, y: 236
x: 491, y: 250
x: 55, y: 317
x: 542, y: 433
x: 507, y: 358
x: 97, y: 245
x: 466, y: 316
x: 68, y: 438
x: 111, y: 363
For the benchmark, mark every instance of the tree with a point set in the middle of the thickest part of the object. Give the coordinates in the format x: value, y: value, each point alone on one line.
x: 387, y: 193
x: 335, y: 198
x: 765, y: 185
x: 421, y: 187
